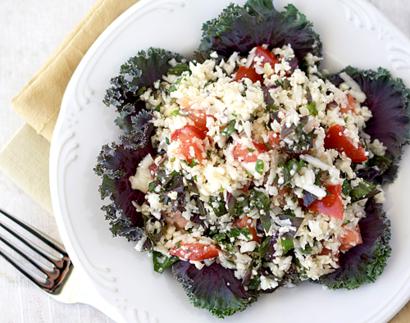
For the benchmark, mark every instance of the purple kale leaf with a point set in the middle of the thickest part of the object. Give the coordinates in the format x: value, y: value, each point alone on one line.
x: 389, y: 101
x: 214, y: 288
x: 365, y: 262
x: 136, y: 75
x: 240, y: 28
x: 115, y: 164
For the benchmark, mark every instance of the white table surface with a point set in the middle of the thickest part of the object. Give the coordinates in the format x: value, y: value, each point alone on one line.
x: 29, y: 31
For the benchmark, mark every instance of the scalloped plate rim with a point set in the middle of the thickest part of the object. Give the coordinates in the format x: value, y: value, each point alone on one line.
x: 398, y: 300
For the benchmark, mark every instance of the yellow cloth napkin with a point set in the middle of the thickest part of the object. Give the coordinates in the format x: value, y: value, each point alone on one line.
x: 25, y: 158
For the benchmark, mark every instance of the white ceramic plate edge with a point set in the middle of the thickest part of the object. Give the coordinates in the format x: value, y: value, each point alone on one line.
x: 400, y: 299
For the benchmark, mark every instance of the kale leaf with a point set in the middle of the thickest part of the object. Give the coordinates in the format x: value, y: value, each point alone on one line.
x: 240, y: 28
x: 379, y: 169
x: 115, y: 164
x: 136, y: 75
x: 365, y: 262
x: 389, y: 100
x: 361, y: 191
x: 214, y: 288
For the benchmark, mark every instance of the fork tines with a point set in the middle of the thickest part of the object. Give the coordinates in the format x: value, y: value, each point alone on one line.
x: 35, y: 255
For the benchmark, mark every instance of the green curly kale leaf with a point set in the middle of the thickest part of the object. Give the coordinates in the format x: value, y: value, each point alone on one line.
x: 240, y: 28
x: 365, y: 262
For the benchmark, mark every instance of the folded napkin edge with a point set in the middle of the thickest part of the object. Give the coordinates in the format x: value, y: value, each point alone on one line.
x: 18, y: 101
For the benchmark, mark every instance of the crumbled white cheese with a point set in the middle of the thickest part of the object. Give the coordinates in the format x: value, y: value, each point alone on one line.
x: 142, y: 176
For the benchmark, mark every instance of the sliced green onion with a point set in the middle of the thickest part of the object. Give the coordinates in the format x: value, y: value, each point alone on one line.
x: 260, y: 166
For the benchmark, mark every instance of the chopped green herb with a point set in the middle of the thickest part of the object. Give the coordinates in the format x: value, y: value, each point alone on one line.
x: 172, y: 88
x: 227, y: 238
x: 312, y: 108
x: 266, y: 221
x: 272, y: 108
x: 162, y: 262
x: 192, y: 163
x: 218, y: 205
x: 291, y: 168
x: 285, y: 83
x: 167, y: 140
x: 201, y: 207
x: 254, y: 283
x: 178, y: 69
x: 260, y: 165
x: 141, y: 90
x: 229, y: 129
x: 307, y: 250
x: 236, y: 232
x: 287, y: 244
x: 260, y: 201
x: 236, y: 206
x: 152, y: 186
x: 174, y: 112
x: 363, y: 190
x: 346, y: 188
x: 302, y: 141
x: 264, y: 246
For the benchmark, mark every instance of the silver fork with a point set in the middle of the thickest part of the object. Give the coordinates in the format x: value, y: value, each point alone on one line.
x: 45, y: 262
x: 36, y: 256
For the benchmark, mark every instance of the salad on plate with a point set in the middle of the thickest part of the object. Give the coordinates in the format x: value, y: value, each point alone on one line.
x: 248, y: 167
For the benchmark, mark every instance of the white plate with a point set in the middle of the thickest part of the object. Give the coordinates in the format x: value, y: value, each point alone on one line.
x: 352, y: 31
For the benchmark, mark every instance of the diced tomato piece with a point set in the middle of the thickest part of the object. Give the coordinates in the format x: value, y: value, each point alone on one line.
x: 247, y: 72
x: 195, y: 251
x: 249, y: 155
x: 260, y: 147
x: 334, y: 189
x: 267, y: 56
x: 192, y: 150
x: 242, y: 153
x: 191, y: 144
x: 331, y: 205
x: 274, y: 139
x: 187, y: 132
x: 351, y: 105
x: 199, y: 119
x: 350, y: 238
x: 250, y: 224
x: 336, y: 139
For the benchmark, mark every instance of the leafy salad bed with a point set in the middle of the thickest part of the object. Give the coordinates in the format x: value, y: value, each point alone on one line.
x: 234, y: 207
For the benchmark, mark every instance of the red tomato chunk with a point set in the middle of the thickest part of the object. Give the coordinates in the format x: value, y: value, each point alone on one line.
x: 195, y: 251
x: 336, y: 139
x: 331, y: 205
